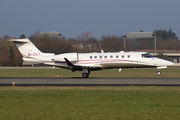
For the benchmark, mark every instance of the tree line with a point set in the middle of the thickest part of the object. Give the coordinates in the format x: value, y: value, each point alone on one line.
x: 86, y: 42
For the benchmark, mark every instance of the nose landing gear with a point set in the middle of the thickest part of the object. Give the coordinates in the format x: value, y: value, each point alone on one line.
x: 158, y: 73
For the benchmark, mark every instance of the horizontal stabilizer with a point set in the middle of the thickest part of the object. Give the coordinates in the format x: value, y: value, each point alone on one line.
x: 18, y: 41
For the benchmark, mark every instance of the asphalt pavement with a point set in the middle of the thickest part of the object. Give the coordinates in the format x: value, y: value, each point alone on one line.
x: 64, y: 81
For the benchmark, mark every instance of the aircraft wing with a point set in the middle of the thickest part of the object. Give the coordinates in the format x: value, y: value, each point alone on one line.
x: 80, y: 67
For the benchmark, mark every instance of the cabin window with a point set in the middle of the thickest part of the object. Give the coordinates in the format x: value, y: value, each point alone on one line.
x: 117, y: 56
x: 100, y: 57
x: 122, y: 56
x: 105, y: 57
x: 147, y: 56
x: 91, y: 57
x: 111, y: 56
x: 95, y: 57
x: 128, y: 56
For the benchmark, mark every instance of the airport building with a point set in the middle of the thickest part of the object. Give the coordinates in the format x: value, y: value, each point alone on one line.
x: 50, y: 34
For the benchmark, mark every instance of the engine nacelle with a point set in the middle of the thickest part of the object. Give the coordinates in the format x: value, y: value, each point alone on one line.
x: 69, y: 56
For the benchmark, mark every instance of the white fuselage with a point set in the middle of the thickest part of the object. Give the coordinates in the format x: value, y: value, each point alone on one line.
x: 109, y: 60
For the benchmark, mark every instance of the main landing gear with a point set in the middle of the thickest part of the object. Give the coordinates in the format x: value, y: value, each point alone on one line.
x: 85, y: 73
x: 158, y: 73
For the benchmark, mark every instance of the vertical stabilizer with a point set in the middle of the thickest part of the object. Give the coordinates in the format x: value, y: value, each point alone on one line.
x: 28, y: 49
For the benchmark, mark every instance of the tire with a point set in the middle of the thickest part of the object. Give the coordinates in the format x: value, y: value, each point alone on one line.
x: 85, y: 75
x: 158, y: 73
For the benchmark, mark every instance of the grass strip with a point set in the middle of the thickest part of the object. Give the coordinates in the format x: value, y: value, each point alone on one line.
x: 129, y: 102
x: 102, y: 73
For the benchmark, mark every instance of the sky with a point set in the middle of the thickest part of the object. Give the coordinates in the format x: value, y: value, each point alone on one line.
x: 73, y: 17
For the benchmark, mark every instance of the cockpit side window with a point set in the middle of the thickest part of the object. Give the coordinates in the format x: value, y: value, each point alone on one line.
x: 147, y: 56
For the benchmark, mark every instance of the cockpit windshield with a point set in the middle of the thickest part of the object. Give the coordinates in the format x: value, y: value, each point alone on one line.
x: 147, y: 55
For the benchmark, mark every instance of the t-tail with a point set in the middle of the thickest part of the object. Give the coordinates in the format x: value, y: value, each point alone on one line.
x: 31, y: 54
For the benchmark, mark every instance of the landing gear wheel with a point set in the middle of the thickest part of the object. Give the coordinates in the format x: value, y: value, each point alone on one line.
x: 158, y: 73
x: 85, y: 75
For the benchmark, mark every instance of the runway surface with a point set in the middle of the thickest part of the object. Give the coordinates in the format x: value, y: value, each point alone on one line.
x: 62, y: 81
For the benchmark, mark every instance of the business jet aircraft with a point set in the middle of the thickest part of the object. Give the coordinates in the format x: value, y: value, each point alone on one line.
x: 87, y: 62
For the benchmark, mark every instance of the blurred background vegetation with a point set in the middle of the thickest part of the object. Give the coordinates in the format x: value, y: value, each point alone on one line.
x: 86, y: 42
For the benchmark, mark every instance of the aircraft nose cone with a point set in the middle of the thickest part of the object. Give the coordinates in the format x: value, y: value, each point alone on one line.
x: 170, y: 63
x: 162, y: 62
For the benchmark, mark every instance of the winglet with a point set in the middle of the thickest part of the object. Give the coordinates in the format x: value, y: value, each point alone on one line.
x: 68, y: 62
